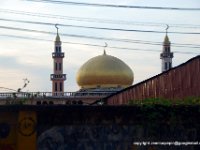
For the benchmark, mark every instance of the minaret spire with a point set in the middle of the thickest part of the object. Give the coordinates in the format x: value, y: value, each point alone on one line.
x: 166, y: 55
x: 58, y: 77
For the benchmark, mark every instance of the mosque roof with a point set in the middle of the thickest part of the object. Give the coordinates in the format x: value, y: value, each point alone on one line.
x: 104, y: 71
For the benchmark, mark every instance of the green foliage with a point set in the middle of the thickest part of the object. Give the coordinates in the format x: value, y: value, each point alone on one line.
x: 166, y: 102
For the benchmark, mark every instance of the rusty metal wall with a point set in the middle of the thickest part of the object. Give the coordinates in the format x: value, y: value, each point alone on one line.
x: 178, y: 83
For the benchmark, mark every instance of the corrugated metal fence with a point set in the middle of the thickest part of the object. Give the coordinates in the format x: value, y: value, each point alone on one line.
x: 178, y: 83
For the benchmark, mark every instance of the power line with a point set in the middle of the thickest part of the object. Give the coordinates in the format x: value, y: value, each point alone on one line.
x: 92, y: 27
x: 69, y: 25
x: 98, y: 20
x: 95, y: 37
x: 92, y: 45
x: 113, y: 6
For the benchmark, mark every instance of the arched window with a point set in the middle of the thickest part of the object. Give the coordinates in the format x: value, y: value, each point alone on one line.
x: 61, y: 88
x: 57, y: 49
x: 60, y: 66
x: 170, y: 64
x: 165, y: 65
x: 56, y: 87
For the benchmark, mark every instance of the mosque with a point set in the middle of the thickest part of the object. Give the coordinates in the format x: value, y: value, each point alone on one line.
x: 99, y: 77
x: 105, y: 79
x: 103, y: 73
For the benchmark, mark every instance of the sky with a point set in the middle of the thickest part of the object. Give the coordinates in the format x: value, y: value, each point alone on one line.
x: 28, y: 54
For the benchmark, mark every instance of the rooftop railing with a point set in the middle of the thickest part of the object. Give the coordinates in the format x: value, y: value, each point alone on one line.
x: 15, y: 95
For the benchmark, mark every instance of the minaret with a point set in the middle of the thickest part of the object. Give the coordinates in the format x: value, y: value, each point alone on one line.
x: 166, y: 55
x: 58, y: 77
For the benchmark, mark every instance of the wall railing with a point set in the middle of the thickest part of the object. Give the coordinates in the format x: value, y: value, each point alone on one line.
x: 15, y: 95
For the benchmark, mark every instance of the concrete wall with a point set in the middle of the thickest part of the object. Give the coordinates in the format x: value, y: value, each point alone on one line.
x: 97, y: 127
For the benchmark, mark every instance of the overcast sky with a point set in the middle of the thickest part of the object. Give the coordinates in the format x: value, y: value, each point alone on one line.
x: 24, y: 58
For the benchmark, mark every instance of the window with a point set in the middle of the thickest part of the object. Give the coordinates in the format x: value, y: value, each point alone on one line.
x: 57, y: 49
x: 56, y: 88
x: 56, y: 66
x: 60, y: 66
x: 61, y: 88
x: 170, y: 64
x: 165, y: 65
x: 167, y: 49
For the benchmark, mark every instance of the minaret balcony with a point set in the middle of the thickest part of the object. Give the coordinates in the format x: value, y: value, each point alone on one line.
x: 166, y: 55
x: 58, y: 76
x: 58, y: 55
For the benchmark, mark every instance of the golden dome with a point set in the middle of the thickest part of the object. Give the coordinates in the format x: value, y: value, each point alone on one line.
x: 104, y: 71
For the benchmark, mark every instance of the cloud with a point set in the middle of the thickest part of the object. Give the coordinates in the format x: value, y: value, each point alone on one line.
x: 12, y: 69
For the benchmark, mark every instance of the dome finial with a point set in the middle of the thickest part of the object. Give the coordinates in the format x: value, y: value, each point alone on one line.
x: 167, y: 28
x: 57, y: 36
x: 166, y: 40
x: 106, y: 45
x: 56, y: 25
